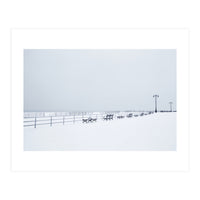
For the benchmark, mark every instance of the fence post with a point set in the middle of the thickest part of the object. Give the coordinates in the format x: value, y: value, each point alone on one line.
x: 51, y: 121
x: 35, y: 123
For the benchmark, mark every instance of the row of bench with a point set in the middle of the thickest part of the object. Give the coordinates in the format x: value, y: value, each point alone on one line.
x: 111, y: 116
x: 90, y: 119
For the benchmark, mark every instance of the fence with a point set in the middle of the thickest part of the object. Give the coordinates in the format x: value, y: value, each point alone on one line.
x: 50, y: 120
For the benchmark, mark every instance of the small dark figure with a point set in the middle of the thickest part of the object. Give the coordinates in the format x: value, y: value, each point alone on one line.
x: 108, y: 117
x: 129, y: 115
x: 85, y: 120
x: 120, y: 117
x: 89, y: 120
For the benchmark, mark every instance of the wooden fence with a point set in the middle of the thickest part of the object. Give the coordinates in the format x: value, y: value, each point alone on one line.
x: 66, y: 119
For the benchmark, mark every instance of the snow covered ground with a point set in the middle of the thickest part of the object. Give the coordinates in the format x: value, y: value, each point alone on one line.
x: 155, y: 132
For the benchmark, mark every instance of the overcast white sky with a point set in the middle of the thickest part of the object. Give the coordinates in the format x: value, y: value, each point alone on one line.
x: 98, y: 80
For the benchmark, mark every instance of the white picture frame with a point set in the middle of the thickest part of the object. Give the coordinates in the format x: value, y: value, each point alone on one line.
x: 100, y: 160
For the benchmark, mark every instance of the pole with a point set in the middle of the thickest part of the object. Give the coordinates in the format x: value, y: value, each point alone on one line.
x: 35, y: 123
x: 170, y: 103
x: 156, y: 96
x: 51, y: 121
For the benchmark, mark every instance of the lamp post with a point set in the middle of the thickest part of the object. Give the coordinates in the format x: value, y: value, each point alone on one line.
x: 170, y: 103
x: 155, y: 96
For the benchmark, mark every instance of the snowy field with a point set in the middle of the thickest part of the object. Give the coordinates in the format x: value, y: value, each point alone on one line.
x: 154, y: 132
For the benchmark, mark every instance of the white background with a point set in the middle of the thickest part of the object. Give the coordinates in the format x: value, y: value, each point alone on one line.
x: 100, y: 39
x: 123, y: 14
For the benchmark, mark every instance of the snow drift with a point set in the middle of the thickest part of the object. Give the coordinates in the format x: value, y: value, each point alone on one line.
x: 155, y: 132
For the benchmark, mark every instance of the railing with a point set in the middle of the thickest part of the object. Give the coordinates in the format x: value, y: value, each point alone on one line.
x: 50, y: 120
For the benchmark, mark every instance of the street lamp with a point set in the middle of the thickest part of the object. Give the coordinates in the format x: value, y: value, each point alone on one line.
x: 155, y: 96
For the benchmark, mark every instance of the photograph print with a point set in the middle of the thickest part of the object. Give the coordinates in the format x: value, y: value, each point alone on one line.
x: 100, y: 100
